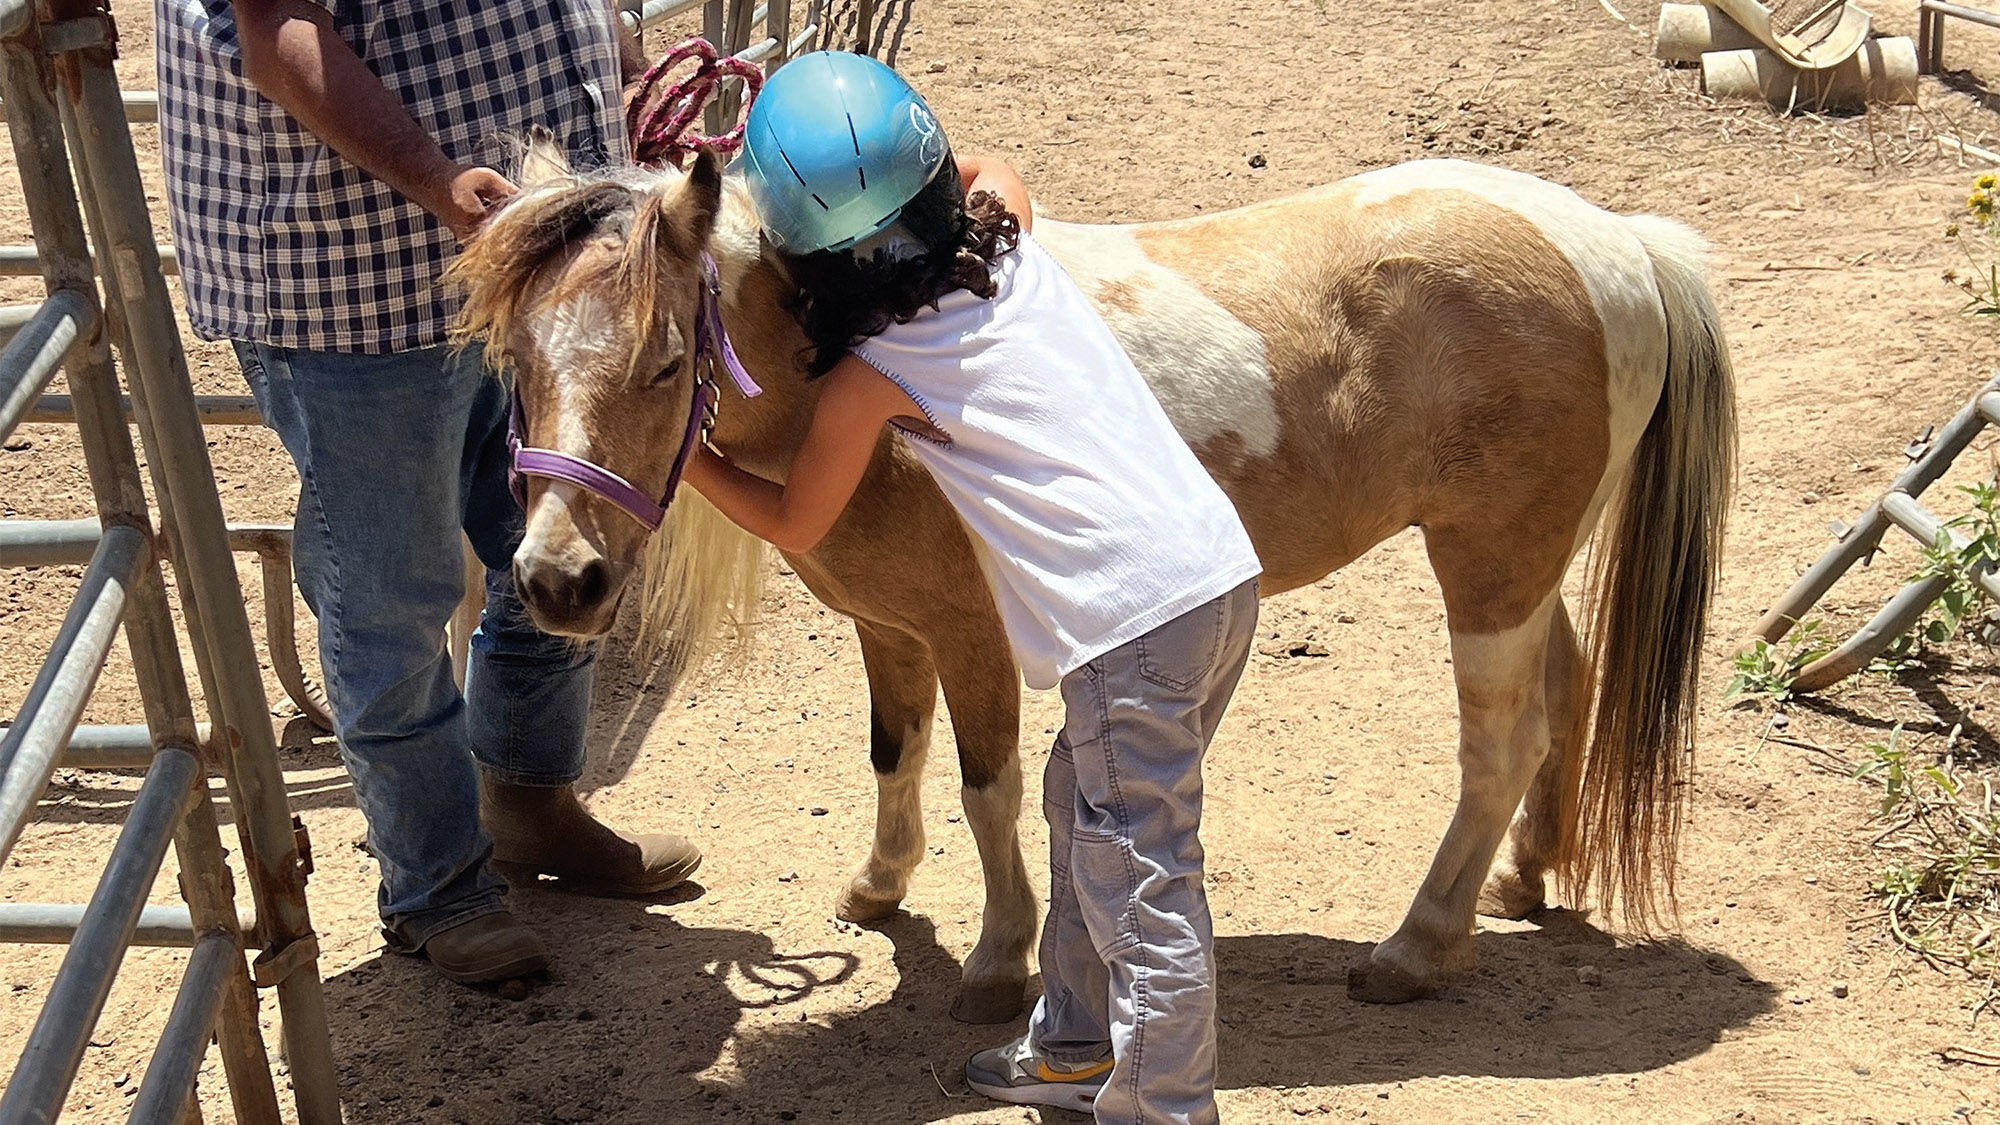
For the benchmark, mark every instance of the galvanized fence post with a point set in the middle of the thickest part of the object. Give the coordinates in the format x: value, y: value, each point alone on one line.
x: 127, y: 583
x: 211, y: 597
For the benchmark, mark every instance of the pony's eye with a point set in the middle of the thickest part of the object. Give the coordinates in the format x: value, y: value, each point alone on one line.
x: 667, y: 373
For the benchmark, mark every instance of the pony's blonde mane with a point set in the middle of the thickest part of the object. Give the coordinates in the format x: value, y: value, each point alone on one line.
x: 500, y: 267
x: 701, y: 589
x: 702, y: 576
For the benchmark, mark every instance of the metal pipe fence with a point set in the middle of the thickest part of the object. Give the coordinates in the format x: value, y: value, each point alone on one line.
x: 55, y: 1048
x: 31, y: 358
x: 55, y: 923
x: 41, y: 729
x: 62, y: 104
x: 169, y: 1080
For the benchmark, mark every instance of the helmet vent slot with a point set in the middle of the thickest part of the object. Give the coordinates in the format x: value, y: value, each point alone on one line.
x: 821, y: 202
x: 794, y: 171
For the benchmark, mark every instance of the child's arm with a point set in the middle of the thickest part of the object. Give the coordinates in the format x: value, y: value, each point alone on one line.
x: 985, y: 173
x: 827, y: 469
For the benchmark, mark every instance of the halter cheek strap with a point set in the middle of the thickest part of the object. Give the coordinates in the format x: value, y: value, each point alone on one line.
x: 712, y: 349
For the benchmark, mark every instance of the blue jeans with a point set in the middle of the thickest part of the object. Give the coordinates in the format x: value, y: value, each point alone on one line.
x: 396, y: 454
x: 1128, y: 949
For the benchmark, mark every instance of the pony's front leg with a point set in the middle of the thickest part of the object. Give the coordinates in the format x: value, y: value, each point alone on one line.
x: 981, y: 687
x: 1503, y: 737
x: 902, y: 697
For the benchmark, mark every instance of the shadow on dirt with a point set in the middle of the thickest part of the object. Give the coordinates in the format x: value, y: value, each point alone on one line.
x: 627, y: 702
x: 1937, y: 684
x: 91, y: 797
x: 640, y: 1022
x: 1525, y: 1012
x: 1967, y: 83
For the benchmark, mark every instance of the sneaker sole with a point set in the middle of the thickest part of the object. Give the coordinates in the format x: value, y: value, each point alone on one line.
x: 1073, y: 1096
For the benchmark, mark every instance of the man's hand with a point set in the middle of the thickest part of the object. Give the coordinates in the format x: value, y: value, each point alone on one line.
x: 471, y: 194
x: 293, y: 55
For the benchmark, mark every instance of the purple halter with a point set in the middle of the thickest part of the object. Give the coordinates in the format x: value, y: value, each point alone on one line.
x: 712, y: 349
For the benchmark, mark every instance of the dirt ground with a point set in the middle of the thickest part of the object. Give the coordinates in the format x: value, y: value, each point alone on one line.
x: 1332, y: 781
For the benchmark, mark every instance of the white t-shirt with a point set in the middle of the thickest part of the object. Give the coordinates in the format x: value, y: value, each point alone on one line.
x: 1093, y: 521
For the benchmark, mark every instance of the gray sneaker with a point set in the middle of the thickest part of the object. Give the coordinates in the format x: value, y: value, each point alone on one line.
x: 1015, y: 1073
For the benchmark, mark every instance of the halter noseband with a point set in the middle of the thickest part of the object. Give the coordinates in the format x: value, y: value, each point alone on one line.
x: 712, y: 349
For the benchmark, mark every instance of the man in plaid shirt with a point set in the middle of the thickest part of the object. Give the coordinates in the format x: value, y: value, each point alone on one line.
x: 323, y: 160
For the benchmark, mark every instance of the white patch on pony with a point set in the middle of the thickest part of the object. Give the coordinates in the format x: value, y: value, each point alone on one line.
x: 544, y: 518
x: 1207, y: 368
x: 578, y: 333
x: 1503, y: 736
x: 578, y: 337
x: 1008, y: 932
x: 1606, y: 253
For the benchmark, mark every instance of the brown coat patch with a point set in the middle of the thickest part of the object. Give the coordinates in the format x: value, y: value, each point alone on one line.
x: 1435, y: 361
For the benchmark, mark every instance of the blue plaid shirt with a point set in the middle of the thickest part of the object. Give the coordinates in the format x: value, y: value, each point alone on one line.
x: 284, y: 242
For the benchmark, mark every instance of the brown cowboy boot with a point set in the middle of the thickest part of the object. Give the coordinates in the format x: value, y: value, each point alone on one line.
x: 487, y: 948
x: 545, y: 830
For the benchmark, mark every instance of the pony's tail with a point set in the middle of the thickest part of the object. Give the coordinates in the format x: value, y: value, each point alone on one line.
x: 1650, y: 589
x: 700, y: 588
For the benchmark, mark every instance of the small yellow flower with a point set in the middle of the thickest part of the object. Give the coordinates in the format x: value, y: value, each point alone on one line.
x: 1951, y: 230
x: 1987, y: 181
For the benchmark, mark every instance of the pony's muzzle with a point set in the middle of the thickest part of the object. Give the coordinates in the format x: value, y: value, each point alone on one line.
x: 574, y: 594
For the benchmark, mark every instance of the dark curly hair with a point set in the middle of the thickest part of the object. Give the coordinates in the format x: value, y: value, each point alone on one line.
x: 844, y: 299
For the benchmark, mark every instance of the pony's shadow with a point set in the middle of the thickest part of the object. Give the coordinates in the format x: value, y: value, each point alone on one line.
x: 1563, y: 1000
x: 644, y: 1022
x: 629, y: 695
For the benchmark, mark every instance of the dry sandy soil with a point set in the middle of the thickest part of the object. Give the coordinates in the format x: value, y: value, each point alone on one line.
x: 1331, y: 783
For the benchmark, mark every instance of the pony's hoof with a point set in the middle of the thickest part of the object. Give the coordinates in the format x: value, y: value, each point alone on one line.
x: 993, y: 1002
x: 1378, y: 982
x: 1508, y: 894
x: 857, y: 905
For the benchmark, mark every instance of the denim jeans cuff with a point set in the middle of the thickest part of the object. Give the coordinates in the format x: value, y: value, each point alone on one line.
x: 1070, y: 1054
x: 409, y: 933
x: 527, y: 777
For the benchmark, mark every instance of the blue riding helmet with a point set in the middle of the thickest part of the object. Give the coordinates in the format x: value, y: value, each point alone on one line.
x: 836, y: 144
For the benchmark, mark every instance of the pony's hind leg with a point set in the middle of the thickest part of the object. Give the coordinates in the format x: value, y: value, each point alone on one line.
x: 981, y: 687
x: 902, y: 698
x: 1503, y: 737
x: 1544, y: 832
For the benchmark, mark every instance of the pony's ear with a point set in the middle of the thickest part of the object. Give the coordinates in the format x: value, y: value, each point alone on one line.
x: 689, y: 217
x: 544, y: 161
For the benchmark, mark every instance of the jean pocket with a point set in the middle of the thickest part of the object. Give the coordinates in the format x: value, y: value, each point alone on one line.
x: 1107, y: 886
x: 1182, y: 653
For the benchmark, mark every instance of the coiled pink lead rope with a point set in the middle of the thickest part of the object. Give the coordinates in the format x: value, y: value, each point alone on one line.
x: 658, y: 125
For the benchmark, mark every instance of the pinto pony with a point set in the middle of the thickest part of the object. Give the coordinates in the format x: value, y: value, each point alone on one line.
x: 1472, y: 351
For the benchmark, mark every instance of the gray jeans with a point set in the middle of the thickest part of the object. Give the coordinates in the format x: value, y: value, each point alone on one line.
x: 1128, y: 951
